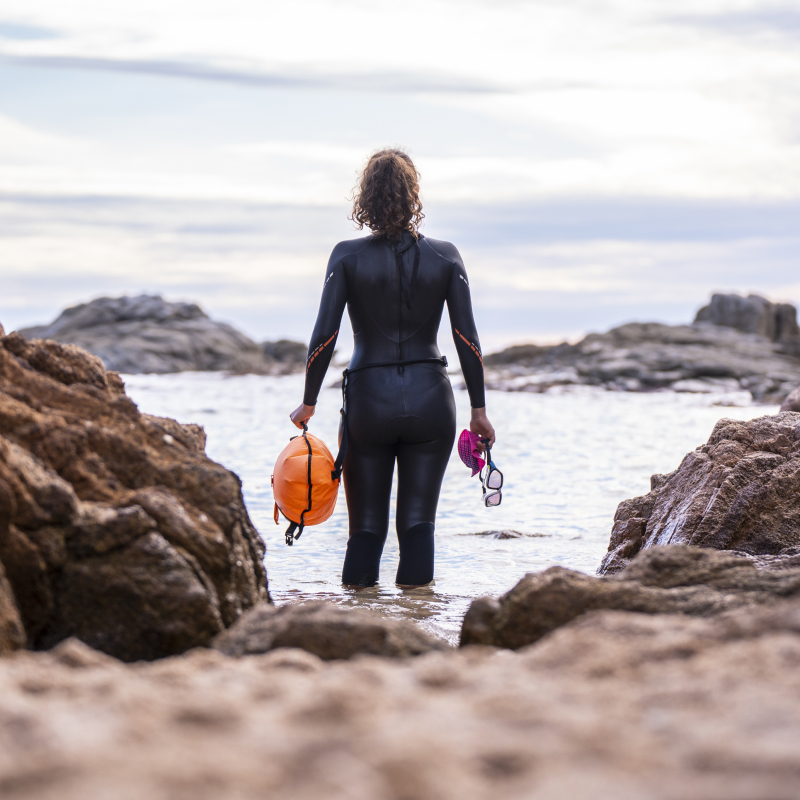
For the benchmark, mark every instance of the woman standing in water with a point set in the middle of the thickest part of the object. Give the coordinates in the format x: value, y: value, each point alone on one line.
x: 395, y: 283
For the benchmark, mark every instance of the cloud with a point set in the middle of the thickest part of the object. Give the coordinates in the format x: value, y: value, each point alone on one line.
x: 538, y: 270
x: 19, y: 31
x: 294, y: 77
x: 633, y: 219
x: 783, y: 22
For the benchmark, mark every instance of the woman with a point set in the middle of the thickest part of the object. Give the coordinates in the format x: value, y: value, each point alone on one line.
x: 395, y: 283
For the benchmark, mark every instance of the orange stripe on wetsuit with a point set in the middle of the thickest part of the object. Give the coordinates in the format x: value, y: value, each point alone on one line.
x: 471, y: 346
x: 321, y: 348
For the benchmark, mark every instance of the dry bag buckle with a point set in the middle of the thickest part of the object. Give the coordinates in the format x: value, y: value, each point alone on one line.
x: 290, y: 533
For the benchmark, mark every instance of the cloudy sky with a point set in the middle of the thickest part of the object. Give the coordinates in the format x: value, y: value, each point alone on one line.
x: 595, y: 161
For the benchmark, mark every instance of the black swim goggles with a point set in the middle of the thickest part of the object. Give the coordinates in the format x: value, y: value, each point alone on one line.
x: 492, y: 482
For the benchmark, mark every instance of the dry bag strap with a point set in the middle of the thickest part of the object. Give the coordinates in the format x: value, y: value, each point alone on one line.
x: 298, y: 526
x: 336, y: 472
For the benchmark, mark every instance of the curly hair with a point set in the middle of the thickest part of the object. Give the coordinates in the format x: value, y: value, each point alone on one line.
x: 386, y: 198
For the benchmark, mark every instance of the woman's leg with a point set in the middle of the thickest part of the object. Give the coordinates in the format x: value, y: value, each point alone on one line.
x: 420, y: 471
x: 427, y: 441
x: 367, y: 473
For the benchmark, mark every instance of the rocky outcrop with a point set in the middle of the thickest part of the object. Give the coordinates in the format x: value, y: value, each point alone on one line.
x: 642, y: 357
x: 752, y: 314
x: 115, y: 527
x: 328, y: 631
x: 792, y: 402
x: 291, y: 354
x: 148, y: 334
x: 739, y: 491
x: 613, y: 705
x: 662, y: 580
x: 649, y: 356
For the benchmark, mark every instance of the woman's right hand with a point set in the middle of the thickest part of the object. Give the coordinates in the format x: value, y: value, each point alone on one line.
x: 480, y: 424
x: 301, y: 414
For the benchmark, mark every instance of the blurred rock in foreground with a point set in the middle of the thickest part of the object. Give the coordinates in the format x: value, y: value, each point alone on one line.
x: 613, y: 705
x: 662, y: 580
x: 146, y: 334
x: 739, y: 491
x: 115, y: 527
x: 757, y: 354
x: 326, y: 630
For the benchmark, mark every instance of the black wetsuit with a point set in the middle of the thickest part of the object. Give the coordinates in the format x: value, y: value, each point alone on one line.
x: 395, y: 413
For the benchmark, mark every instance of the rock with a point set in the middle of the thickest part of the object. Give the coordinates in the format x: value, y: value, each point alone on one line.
x: 115, y: 527
x: 12, y: 632
x: 639, y: 357
x: 326, y: 630
x: 522, y: 354
x: 613, y: 705
x: 147, y: 334
x: 751, y: 314
x: 792, y: 402
x: 739, y: 491
x: 508, y: 533
x: 662, y: 580
x: 73, y: 653
x: 286, y: 351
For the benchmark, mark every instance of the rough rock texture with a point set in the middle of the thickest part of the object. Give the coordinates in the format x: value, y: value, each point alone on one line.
x: 148, y: 334
x: 614, y: 705
x: 326, y: 630
x: 752, y: 314
x: 663, y: 580
x: 12, y: 633
x: 115, y: 527
x: 740, y: 491
x: 792, y: 402
x: 648, y: 356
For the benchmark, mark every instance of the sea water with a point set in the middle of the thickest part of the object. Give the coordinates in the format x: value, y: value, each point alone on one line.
x: 568, y: 458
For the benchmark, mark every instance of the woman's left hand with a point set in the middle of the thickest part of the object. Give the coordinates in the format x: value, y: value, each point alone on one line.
x: 301, y: 414
x: 479, y: 423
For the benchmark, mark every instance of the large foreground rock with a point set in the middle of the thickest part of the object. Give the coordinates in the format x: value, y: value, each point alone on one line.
x: 614, y: 705
x: 663, y: 580
x: 641, y: 357
x: 326, y: 630
x: 148, y: 334
x: 115, y: 527
x: 739, y: 491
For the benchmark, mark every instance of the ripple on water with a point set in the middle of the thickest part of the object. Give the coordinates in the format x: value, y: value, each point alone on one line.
x: 568, y: 459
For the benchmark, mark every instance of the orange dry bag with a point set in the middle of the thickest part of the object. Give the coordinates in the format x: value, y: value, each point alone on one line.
x: 304, y: 484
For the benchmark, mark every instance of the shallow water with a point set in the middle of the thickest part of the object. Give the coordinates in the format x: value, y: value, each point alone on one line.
x: 568, y: 459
